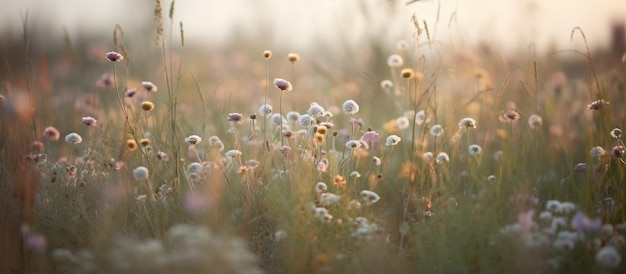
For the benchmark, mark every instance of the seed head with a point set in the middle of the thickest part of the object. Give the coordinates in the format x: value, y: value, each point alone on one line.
x: 265, y: 110
x: 442, y: 157
x: 395, y: 61
x: 131, y: 144
x: 407, y: 73
x: 144, y: 142
x: 293, y: 57
x: 141, y: 173
x: 267, y: 54
x: 436, y: 130
x: 475, y: 150
x: 616, y: 133
x: 147, y: 105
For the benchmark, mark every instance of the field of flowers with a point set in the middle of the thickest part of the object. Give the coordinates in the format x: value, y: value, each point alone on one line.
x: 155, y: 156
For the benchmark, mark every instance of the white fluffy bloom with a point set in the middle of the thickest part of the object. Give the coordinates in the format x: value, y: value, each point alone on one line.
x: 350, y: 107
x: 353, y: 144
x: 316, y: 110
x: 393, y: 140
x: 421, y: 117
x: 436, y: 130
x: 608, y: 257
x: 376, y: 160
x: 442, y: 157
x: 428, y: 156
x: 597, y: 152
x: 320, y: 187
x: 395, y: 61
x: 265, y: 110
x: 73, y: 138
x: 535, y: 121
x: 292, y: 116
x: 369, y: 197
x: 195, y: 168
x: 402, y: 122
x: 193, y: 139
x: 466, y: 123
x: 475, y: 150
x: 232, y: 153
x: 327, y: 199
x: 322, y: 214
x: 140, y: 173
x: 306, y: 121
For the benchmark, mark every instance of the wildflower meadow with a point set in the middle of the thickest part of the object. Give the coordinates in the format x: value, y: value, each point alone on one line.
x: 148, y: 153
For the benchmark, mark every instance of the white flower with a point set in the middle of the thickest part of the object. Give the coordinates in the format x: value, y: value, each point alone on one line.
x: 322, y: 214
x: 616, y: 132
x: 597, y: 152
x: 354, y: 204
x: 421, y: 117
x: 195, y: 168
x: 193, y: 139
x: 353, y: 144
x: 265, y: 110
x: 350, y: 107
x: 73, y: 138
x: 369, y: 197
x: 436, y: 130
x: 386, y: 84
x: 491, y: 178
x: 428, y: 156
x: 232, y: 153
x: 395, y: 61
x: 320, y: 187
x: 306, y: 121
x: 608, y: 257
x: 393, y: 140
x: 355, y: 174
x: 292, y: 116
x: 277, y: 120
x: 316, y: 110
x: 442, y: 157
x: 535, y: 121
x: 327, y: 199
x: 466, y: 123
x: 475, y: 150
x: 140, y: 173
x: 402, y: 122
x: 376, y: 160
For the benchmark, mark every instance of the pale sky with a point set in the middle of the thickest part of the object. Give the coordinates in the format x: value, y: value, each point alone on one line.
x: 296, y: 23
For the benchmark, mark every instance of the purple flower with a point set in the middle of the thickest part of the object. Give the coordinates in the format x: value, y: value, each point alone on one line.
x: 617, y: 152
x: 597, y: 105
x: 371, y: 138
x: 234, y: 117
x: 282, y: 84
x: 114, y: 56
x: 584, y: 224
x: 580, y: 167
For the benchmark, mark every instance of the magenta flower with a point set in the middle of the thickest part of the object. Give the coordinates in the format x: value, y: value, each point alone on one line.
x: 597, y: 105
x: 234, y: 117
x: 371, y: 138
x: 149, y: 86
x: 130, y: 92
x: 89, y: 121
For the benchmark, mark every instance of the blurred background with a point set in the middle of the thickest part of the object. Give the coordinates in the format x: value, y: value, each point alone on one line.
x: 302, y: 24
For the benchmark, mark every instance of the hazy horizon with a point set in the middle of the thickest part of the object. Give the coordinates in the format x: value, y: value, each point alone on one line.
x: 298, y: 23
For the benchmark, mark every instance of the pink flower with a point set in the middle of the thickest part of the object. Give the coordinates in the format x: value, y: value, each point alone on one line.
x: 89, y: 121
x: 371, y: 138
x: 282, y: 84
x: 51, y: 133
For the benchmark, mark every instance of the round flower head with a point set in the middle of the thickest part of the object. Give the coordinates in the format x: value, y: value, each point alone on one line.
x: 402, y: 122
x: 114, y: 56
x: 597, y: 105
x: 535, y: 121
x: 350, y: 107
x: 316, y: 110
x: 597, y: 151
x: 267, y: 54
x: 617, y: 152
x: 89, y: 121
x: 377, y: 161
x: 371, y: 138
x: 616, y: 133
x: 306, y: 121
x: 353, y: 144
x: 436, y: 130
x: 234, y: 117
x: 130, y: 92
x: 194, y: 167
x: 442, y: 157
x: 265, y: 110
x: 386, y: 84
x: 149, y: 86
x: 292, y: 116
x: 282, y: 84
x: 320, y: 187
x: 475, y: 150
x: 407, y: 73
x: 608, y: 257
x: 73, y: 138
x: 232, y: 153
x: 51, y: 133
x: 141, y: 173
x: 293, y: 57
x: 327, y: 199
x: 393, y: 140
x: 163, y: 156
x: 277, y: 120
x: 428, y: 156
x: 466, y: 123
x: 509, y: 116
x: 395, y: 61
x: 421, y: 117
x: 193, y: 139
x: 147, y: 105
x: 131, y: 144
x: 369, y: 197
